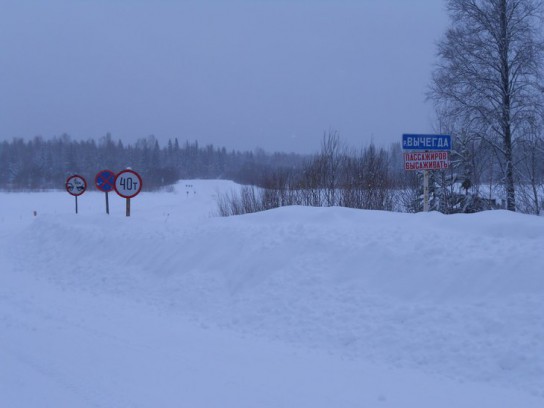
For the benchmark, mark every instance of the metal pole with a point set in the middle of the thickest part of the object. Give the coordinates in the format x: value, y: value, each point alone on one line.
x: 128, y: 207
x: 426, y: 191
x: 76, y: 204
x: 107, y: 204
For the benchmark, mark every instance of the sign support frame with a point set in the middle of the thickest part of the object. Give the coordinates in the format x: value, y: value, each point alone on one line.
x: 433, y: 146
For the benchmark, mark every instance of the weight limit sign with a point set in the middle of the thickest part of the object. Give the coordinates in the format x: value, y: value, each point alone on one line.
x: 128, y: 184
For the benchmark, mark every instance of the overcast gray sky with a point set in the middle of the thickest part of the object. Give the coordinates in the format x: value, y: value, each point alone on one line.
x: 242, y: 74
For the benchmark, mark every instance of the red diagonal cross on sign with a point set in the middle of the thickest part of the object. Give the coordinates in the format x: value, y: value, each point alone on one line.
x: 105, y: 181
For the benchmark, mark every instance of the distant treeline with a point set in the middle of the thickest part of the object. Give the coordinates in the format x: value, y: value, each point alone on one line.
x: 39, y: 163
x: 371, y: 177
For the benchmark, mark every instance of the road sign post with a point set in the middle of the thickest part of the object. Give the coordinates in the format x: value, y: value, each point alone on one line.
x: 76, y: 185
x: 128, y: 207
x: 128, y: 184
x: 426, y: 153
x: 105, y: 181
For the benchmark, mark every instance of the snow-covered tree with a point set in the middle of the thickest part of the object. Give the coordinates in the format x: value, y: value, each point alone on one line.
x: 488, y: 74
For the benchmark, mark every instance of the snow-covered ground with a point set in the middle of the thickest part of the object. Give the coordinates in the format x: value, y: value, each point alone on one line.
x: 294, y: 307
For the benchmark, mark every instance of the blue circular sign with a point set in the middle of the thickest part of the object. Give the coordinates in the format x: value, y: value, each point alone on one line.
x: 105, y: 181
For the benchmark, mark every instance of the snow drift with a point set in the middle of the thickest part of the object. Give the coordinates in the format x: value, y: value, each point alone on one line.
x: 428, y: 298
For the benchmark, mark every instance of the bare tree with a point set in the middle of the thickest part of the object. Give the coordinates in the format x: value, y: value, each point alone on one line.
x: 331, y: 159
x: 489, y: 73
x: 531, y: 171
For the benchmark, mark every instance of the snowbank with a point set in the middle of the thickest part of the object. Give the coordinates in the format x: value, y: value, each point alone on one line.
x: 438, y: 299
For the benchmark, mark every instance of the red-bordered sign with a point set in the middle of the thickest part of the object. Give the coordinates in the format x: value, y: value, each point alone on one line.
x: 128, y: 184
x: 426, y: 161
x: 76, y: 185
x: 105, y: 181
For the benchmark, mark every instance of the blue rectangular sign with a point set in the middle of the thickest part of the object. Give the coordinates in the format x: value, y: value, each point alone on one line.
x: 426, y: 142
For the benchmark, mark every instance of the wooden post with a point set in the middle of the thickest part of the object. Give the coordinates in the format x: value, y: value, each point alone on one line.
x: 426, y: 191
x: 128, y: 207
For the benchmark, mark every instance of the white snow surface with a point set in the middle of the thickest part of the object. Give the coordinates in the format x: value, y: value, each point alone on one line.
x: 293, y: 307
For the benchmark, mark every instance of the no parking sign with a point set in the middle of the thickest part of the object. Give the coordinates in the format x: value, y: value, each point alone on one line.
x: 105, y: 181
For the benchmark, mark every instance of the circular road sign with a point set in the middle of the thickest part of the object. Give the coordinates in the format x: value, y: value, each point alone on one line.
x: 128, y: 184
x: 76, y: 185
x: 105, y: 181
